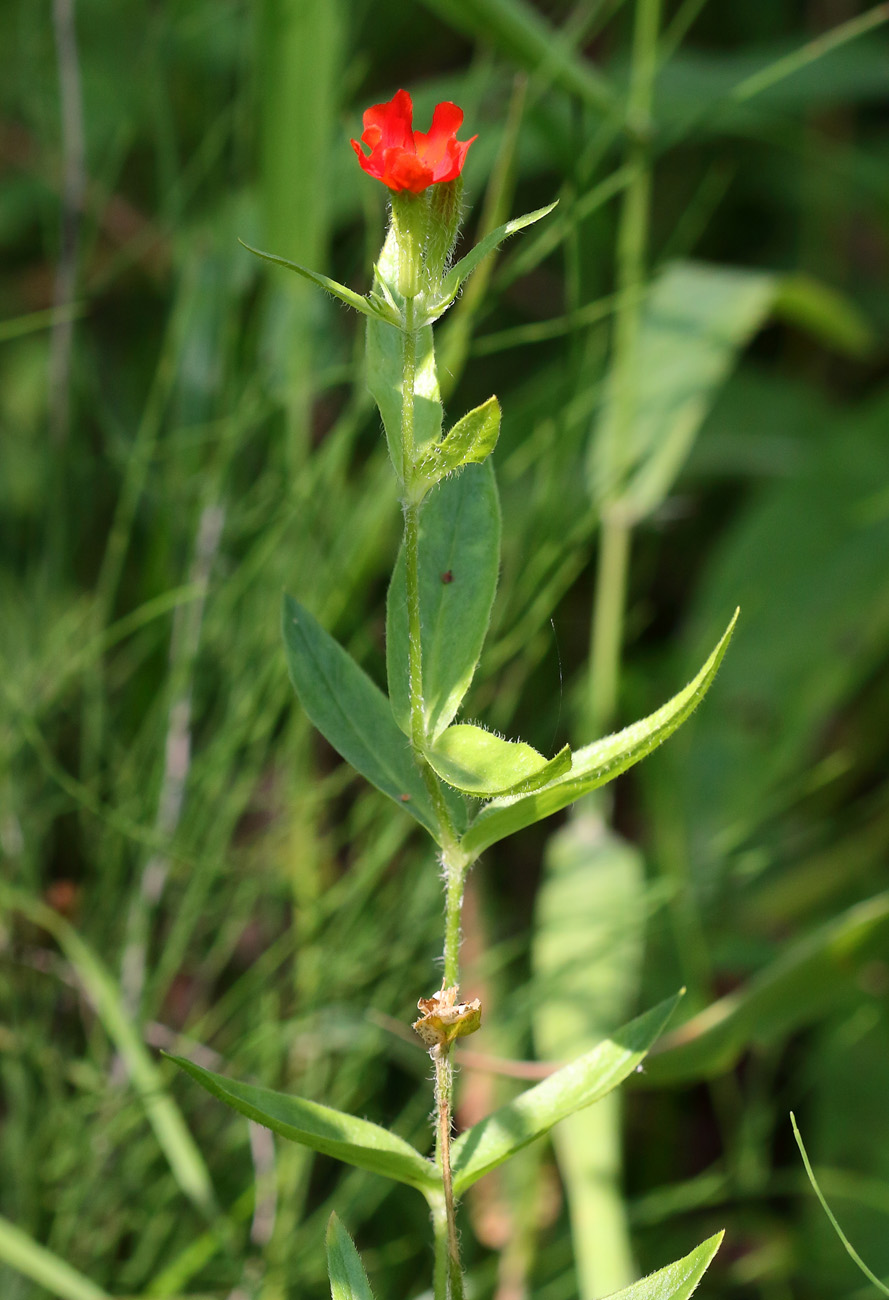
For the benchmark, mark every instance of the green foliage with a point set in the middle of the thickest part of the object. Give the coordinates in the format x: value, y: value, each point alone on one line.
x: 802, y: 984
x: 374, y: 307
x: 485, y: 246
x: 594, y: 765
x: 27, y: 1256
x: 333, y: 1133
x: 676, y: 1281
x: 589, y: 927
x: 482, y: 764
x: 193, y: 867
x: 348, y: 1280
x: 351, y: 712
x: 849, y: 1248
x: 534, y: 1112
x: 469, y: 442
x: 459, y: 561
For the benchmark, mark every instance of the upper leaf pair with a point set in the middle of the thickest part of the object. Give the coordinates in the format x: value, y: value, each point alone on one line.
x: 355, y: 716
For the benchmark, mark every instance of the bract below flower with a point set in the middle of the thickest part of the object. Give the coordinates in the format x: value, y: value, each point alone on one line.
x: 405, y: 159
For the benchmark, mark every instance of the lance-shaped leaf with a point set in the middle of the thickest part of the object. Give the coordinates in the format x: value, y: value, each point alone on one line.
x: 351, y: 712
x: 594, y: 765
x: 810, y: 978
x: 494, y: 1139
x: 694, y: 322
x: 467, y: 264
x: 348, y: 1280
x: 374, y: 308
x: 459, y: 561
x: 471, y: 441
x: 588, y: 944
x: 676, y: 1281
x: 331, y: 1132
x: 480, y: 763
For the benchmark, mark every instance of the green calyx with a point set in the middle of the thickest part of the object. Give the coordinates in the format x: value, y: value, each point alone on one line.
x: 425, y: 227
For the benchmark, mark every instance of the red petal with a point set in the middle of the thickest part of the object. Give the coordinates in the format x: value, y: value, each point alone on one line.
x: 405, y: 171
x: 451, y: 164
x: 370, y: 163
x: 446, y: 121
x: 389, y: 125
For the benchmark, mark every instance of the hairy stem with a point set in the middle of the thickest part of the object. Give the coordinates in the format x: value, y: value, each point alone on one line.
x: 411, y: 530
x: 444, y: 1086
x: 448, y: 1275
x: 440, y: 1232
x: 455, y: 867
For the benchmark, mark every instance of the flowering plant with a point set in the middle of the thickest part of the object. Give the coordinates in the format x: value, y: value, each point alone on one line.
x: 467, y: 787
x: 405, y: 159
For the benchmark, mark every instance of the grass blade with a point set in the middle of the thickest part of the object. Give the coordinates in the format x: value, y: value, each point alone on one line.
x: 850, y: 1249
x: 163, y: 1115
x: 26, y: 1255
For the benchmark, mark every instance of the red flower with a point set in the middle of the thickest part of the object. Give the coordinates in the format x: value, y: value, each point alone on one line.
x: 405, y: 159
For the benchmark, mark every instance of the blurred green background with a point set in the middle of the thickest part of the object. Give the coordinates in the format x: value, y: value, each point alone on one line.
x: 184, y: 433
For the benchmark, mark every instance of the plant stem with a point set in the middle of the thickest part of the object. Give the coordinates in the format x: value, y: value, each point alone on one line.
x: 448, y: 1276
x: 608, y: 618
x: 444, y: 1087
x: 455, y: 867
x: 440, y: 1232
x: 411, y: 531
x: 453, y: 861
x: 632, y: 240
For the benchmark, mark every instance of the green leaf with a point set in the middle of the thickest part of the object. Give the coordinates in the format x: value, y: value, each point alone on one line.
x: 694, y: 322
x: 366, y: 306
x: 459, y: 561
x: 331, y: 1132
x: 830, y: 316
x: 595, y: 764
x: 348, y: 1280
x: 676, y: 1281
x: 849, y: 1248
x: 805, y: 557
x: 27, y: 1256
x: 351, y: 712
x: 495, y: 1138
x: 589, y: 928
x: 467, y: 264
x: 480, y: 763
x: 809, y: 979
x: 471, y: 441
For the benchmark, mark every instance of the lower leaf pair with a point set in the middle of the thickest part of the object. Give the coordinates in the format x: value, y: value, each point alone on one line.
x: 348, y: 1280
